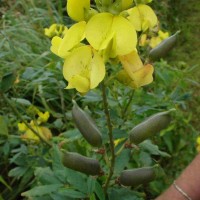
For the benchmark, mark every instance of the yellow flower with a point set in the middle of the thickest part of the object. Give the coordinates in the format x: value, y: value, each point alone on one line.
x: 42, y: 131
x: 104, y: 29
x: 118, y: 141
x: 84, y: 69
x: 55, y: 29
x: 142, y: 17
x: 139, y: 74
x: 163, y: 35
x: 43, y: 117
x: 154, y: 41
x: 73, y: 37
x: 22, y: 127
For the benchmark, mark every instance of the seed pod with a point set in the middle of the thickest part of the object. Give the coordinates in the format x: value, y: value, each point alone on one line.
x: 81, y: 163
x: 164, y: 47
x: 135, y: 177
x: 149, y: 127
x: 86, y: 126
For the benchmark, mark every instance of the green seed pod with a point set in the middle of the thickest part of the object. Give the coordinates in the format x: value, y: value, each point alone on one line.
x: 86, y: 126
x: 81, y: 163
x: 150, y: 127
x: 164, y: 47
x: 135, y: 177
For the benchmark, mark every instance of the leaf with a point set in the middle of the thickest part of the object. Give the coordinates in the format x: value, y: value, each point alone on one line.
x: 41, y: 190
x: 123, y: 193
x: 7, y: 81
x: 71, y: 193
x: 24, y: 102
x: 122, y: 160
x: 56, y: 158
x: 3, y: 126
x: 18, y: 171
x: 46, y: 176
x: 56, y: 196
x: 77, y: 180
x: 99, y: 191
x: 92, y: 96
x: 91, y: 184
x: 145, y: 158
x: 152, y: 149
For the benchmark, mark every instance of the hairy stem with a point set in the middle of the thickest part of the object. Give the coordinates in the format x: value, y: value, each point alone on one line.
x: 21, y: 118
x: 111, y: 140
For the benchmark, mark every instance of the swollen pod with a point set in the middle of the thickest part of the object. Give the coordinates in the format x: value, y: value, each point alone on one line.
x: 86, y: 126
x: 81, y: 163
x: 150, y: 127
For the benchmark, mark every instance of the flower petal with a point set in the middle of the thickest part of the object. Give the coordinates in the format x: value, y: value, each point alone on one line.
x: 131, y: 62
x: 81, y: 83
x: 142, y: 77
x: 126, y: 37
x: 76, y: 9
x: 77, y: 61
x: 97, y: 73
x: 98, y: 30
x: 72, y: 38
x: 55, y: 44
x: 142, y: 17
x: 105, y: 27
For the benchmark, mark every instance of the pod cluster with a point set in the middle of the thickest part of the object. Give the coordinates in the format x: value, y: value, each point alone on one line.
x: 91, y: 133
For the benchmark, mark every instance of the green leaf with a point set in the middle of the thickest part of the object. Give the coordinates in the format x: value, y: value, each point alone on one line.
x: 56, y: 196
x: 41, y: 190
x: 46, y: 176
x: 122, y: 160
x: 77, y: 180
x: 71, y: 193
x: 99, y: 191
x: 3, y: 126
x: 91, y: 184
x: 123, y: 193
x: 92, y: 197
x: 18, y: 171
x: 145, y: 158
x: 7, y: 81
x: 24, y: 102
x: 148, y: 146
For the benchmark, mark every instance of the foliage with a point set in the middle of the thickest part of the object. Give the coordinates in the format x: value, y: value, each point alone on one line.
x: 31, y: 79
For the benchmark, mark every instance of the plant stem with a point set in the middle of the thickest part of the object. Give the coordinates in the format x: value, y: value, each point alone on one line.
x: 127, y: 105
x: 27, y: 124
x: 110, y: 134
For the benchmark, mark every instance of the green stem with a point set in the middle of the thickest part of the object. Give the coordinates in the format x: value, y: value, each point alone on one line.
x: 62, y: 102
x: 127, y: 105
x: 110, y: 134
x: 27, y: 124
